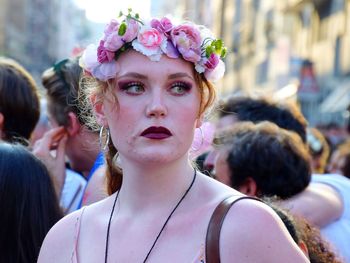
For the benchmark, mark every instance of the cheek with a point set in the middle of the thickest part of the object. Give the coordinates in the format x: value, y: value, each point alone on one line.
x: 186, y: 121
x: 122, y: 122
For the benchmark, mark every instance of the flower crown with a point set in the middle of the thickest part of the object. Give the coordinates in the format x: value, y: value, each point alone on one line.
x: 191, y: 42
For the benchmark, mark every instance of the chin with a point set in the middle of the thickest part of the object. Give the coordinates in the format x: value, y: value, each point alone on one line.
x: 158, y: 156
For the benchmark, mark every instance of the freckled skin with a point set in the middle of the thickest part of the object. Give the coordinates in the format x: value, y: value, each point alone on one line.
x: 156, y: 105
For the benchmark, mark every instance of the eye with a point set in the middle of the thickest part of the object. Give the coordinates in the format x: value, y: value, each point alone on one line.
x: 133, y: 88
x: 180, y: 88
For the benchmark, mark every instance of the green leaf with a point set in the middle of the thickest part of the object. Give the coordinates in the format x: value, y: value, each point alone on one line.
x: 137, y: 16
x: 223, y: 52
x: 120, y: 13
x: 218, y: 45
x: 209, y: 50
x: 129, y: 10
x: 122, y: 29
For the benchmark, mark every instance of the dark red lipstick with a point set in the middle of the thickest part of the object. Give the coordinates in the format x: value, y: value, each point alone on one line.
x: 156, y: 133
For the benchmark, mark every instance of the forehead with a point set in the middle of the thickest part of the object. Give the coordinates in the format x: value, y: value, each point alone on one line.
x: 132, y: 61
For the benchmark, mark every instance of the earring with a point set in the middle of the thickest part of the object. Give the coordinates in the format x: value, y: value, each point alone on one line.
x: 104, y: 145
x: 196, y: 139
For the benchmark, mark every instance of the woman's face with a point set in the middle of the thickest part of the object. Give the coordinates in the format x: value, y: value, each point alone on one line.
x: 158, y: 108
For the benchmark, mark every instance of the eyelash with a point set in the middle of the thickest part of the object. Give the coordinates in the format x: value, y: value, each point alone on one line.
x: 126, y: 86
x: 183, y: 85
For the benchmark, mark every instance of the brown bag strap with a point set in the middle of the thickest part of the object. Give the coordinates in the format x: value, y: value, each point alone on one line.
x: 212, y: 243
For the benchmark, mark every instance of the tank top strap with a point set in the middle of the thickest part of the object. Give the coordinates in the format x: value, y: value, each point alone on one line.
x: 74, y: 258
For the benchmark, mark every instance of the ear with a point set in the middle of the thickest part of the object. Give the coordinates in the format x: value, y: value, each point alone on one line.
x: 2, y: 119
x: 74, y: 125
x: 199, y: 121
x: 99, y: 111
x: 249, y: 187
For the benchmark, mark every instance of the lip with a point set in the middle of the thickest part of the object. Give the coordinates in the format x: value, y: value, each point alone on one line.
x: 156, y: 133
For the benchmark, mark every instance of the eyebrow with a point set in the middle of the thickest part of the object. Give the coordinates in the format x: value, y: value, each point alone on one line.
x: 180, y: 75
x: 171, y: 76
x: 134, y: 75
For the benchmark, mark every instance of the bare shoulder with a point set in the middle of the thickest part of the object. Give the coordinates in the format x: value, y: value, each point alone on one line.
x: 59, y: 242
x: 215, y: 187
x: 253, y: 232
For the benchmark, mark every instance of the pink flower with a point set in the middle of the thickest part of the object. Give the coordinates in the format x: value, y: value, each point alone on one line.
x: 163, y: 26
x: 170, y: 50
x: 106, y: 71
x: 202, y: 139
x: 102, y: 71
x: 104, y: 55
x: 212, y: 61
x: 150, y: 38
x: 131, y: 30
x: 216, y: 73
x: 113, y: 42
x: 113, y: 26
x: 187, y: 40
x: 150, y: 42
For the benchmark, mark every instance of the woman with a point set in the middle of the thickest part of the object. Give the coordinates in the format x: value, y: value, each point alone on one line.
x: 152, y: 97
x: 29, y: 205
x: 61, y: 83
x: 19, y: 102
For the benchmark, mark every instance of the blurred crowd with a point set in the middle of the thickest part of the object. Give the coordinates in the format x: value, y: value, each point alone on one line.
x: 52, y: 162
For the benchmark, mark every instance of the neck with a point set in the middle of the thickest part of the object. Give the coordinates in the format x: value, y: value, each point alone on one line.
x: 145, y: 185
x: 87, y: 148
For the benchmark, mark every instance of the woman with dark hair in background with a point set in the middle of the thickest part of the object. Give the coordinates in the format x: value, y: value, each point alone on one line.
x: 29, y: 204
x: 19, y: 102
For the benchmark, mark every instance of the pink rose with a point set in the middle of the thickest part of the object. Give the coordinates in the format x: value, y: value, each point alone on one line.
x: 113, y: 26
x: 103, y: 54
x: 106, y: 71
x: 212, y: 61
x: 187, y: 40
x: 150, y: 38
x: 150, y: 42
x: 113, y: 42
x: 131, y: 30
x: 163, y: 26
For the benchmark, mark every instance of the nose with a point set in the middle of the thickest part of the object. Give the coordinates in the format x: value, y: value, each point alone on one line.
x: 157, y: 106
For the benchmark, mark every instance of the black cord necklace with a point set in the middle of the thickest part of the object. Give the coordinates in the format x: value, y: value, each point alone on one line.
x: 161, y: 230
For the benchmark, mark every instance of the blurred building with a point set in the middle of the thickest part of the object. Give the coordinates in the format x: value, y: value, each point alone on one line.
x: 320, y: 35
x: 37, y: 33
x: 294, y: 45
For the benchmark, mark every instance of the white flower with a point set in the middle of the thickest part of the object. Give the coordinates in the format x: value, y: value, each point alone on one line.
x: 217, y: 73
x: 88, y: 60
